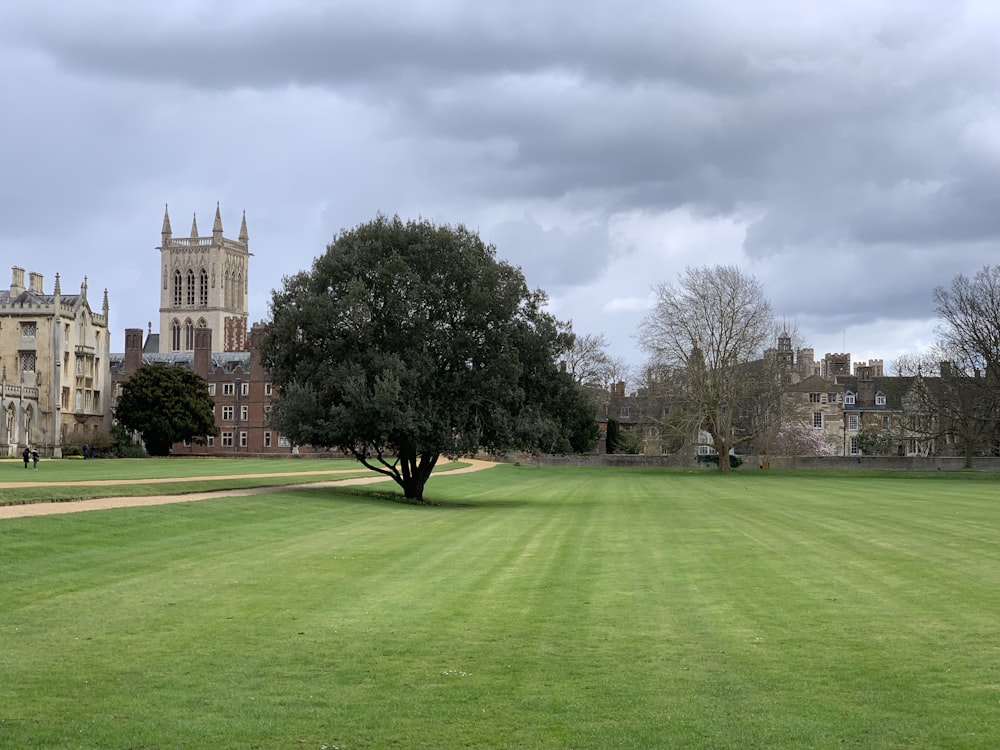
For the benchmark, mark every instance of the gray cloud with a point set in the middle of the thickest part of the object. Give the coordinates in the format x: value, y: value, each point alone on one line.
x: 860, y: 135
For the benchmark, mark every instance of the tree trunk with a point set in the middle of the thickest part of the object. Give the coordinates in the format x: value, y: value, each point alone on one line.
x: 723, y: 448
x: 416, y: 470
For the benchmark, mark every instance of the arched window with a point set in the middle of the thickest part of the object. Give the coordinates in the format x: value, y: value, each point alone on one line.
x: 178, y: 298
x: 175, y: 336
x: 190, y: 295
x: 188, y: 334
x: 203, y: 287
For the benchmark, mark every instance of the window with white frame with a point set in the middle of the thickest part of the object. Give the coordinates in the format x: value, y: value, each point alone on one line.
x: 283, y: 442
x: 267, y: 439
x: 817, y: 419
x: 244, y: 413
x: 245, y: 389
x: 211, y: 389
x: 268, y: 389
x: 228, y: 389
x: 885, y: 421
x: 814, y: 398
x: 243, y: 439
x: 849, y: 399
x: 211, y: 440
x: 227, y: 439
x: 879, y: 399
x: 227, y: 413
x: 854, y: 447
x: 852, y: 422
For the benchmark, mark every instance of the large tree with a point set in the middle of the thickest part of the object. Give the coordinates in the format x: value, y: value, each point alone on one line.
x: 967, y: 399
x: 407, y: 341
x: 706, y: 335
x: 165, y: 405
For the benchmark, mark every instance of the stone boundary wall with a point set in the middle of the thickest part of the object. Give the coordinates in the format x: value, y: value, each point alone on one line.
x: 755, y: 463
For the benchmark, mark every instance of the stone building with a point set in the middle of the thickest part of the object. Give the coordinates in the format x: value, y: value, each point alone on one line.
x: 54, y: 354
x: 203, y: 285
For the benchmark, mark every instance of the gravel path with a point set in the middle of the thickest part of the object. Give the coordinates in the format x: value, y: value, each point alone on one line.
x: 103, y: 503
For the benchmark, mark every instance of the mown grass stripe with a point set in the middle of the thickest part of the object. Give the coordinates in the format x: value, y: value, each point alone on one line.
x: 529, y: 607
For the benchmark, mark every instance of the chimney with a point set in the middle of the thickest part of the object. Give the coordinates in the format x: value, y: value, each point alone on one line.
x: 256, y: 339
x: 16, y: 281
x: 35, y: 282
x: 202, y: 351
x: 133, y: 350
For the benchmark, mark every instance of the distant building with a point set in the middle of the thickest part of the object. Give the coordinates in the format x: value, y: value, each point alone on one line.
x: 54, y: 354
x: 203, y: 328
x: 203, y: 285
x: 237, y: 381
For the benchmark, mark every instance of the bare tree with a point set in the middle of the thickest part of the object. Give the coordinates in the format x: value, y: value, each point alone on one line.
x: 969, y: 312
x: 967, y: 398
x: 589, y: 363
x: 709, y: 332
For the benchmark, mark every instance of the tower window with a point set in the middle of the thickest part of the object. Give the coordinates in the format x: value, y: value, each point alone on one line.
x: 177, y: 289
x: 203, y: 287
x: 190, y: 288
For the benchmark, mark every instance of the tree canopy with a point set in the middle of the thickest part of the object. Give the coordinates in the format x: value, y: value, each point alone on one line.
x: 407, y: 341
x: 165, y: 405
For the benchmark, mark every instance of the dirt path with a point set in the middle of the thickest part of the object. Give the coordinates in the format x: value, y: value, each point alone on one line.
x: 103, y: 503
x: 166, y: 480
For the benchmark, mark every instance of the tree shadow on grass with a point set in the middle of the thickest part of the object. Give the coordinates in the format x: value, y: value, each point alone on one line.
x: 371, y: 496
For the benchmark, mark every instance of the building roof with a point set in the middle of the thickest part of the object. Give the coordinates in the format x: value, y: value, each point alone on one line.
x: 228, y: 362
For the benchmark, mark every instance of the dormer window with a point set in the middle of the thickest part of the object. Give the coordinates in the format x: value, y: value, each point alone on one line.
x: 879, y: 399
x: 849, y: 399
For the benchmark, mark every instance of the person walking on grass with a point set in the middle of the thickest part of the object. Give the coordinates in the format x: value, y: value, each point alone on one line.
x: 34, y: 458
x: 26, y: 455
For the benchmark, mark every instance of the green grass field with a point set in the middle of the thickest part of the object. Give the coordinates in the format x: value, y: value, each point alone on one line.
x: 526, y: 608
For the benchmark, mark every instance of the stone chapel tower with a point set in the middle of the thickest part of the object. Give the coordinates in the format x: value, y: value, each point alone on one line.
x: 203, y: 285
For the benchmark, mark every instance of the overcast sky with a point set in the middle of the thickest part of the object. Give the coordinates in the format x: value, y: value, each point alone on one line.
x: 845, y: 153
